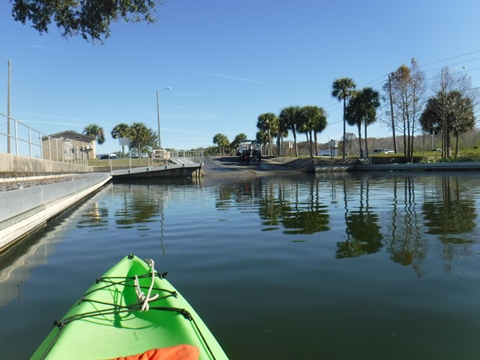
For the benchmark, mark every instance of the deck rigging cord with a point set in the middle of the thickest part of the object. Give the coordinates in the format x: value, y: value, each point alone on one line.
x: 142, y: 303
x: 141, y: 297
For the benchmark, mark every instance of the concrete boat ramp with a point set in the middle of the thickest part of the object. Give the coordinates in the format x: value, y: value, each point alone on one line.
x: 180, y: 169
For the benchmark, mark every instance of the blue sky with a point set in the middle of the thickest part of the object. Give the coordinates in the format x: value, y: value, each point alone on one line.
x: 228, y: 62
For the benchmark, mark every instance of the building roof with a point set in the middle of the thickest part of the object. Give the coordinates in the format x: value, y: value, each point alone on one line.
x: 70, y: 134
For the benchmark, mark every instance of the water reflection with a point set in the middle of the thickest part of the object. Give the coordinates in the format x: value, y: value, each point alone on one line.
x: 408, y: 216
x: 17, y: 262
x: 142, y: 208
x: 345, y: 245
x: 94, y: 216
x: 398, y: 213
x: 363, y: 231
x: 407, y: 245
x: 405, y: 216
x: 454, y: 214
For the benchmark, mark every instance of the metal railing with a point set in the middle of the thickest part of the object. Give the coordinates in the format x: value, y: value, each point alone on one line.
x: 179, y: 156
x: 196, y: 157
x: 17, y: 138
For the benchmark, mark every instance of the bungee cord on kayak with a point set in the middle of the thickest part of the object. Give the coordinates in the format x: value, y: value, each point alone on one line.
x: 141, y: 305
x: 141, y: 297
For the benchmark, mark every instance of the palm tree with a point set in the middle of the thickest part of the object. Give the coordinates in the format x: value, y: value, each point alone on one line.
x: 313, y: 120
x: 96, y: 131
x: 121, y: 131
x: 221, y: 141
x: 370, y: 102
x: 354, y: 117
x: 238, y: 139
x: 362, y: 108
x: 281, y: 132
x: 267, y: 122
x: 141, y: 137
x: 289, y: 119
x: 342, y: 89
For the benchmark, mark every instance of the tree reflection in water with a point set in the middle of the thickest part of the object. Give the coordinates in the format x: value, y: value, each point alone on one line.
x: 406, y: 216
x: 415, y: 213
x: 363, y: 231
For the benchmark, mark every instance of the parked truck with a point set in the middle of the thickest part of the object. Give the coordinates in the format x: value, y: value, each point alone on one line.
x: 250, y: 149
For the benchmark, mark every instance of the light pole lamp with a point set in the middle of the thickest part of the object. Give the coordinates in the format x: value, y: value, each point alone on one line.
x: 158, y: 114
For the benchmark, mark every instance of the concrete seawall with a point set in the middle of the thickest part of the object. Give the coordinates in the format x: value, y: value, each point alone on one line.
x: 447, y: 166
x: 25, y: 210
x: 14, y: 167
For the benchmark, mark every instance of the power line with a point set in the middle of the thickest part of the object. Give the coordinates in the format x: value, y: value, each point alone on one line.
x: 450, y: 58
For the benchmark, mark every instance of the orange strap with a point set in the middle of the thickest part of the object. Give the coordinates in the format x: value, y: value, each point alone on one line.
x: 179, y: 352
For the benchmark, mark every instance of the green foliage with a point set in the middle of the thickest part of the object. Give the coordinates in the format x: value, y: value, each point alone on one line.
x: 362, y: 109
x: 312, y: 120
x: 238, y: 139
x: 343, y: 89
x: 211, y: 151
x: 289, y: 118
x: 222, y: 141
x: 96, y: 131
x: 142, y: 138
x: 121, y: 130
x: 91, y: 19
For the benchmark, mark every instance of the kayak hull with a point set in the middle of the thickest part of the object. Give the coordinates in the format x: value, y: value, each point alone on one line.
x: 107, y: 322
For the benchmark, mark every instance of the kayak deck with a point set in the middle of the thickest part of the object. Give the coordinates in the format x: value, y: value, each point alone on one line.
x: 107, y: 322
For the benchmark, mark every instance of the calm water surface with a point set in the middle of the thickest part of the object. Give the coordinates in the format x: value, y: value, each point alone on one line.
x: 341, y: 267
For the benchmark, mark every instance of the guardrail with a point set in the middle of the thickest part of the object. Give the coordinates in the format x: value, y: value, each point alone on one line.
x: 18, y: 138
x: 179, y: 156
x: 196, y: 157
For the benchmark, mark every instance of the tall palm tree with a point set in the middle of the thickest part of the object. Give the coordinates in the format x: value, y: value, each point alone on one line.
x: 96, y: 131
x: 354, y: 117
x: 342, y: 89
x: 362, y: 109
x: 221, y: 141
x: 290, y: 117
x: 281, y: 132
x: 120, y: 131
x: 267, y: 122
x: 370, y: 102
x: 319, y: 125
x: 313, y: 120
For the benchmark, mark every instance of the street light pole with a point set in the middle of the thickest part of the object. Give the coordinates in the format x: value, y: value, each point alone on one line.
x: 9, y: 131
x: 158, y: 115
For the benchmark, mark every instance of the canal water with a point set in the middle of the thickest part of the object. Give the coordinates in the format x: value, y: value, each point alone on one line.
x: 308, y: 267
